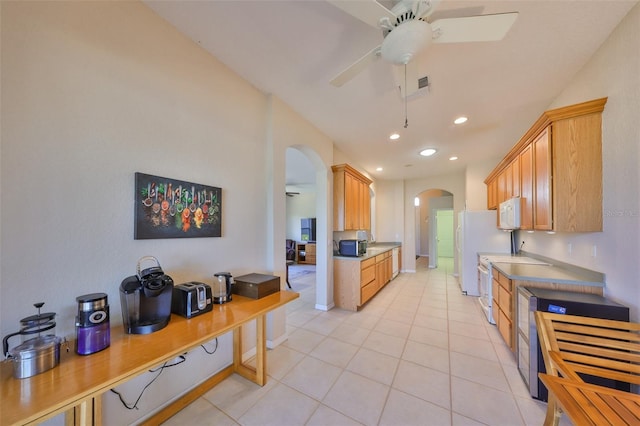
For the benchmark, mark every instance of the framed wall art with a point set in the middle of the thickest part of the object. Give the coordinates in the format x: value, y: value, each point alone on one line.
x: 170, y: 208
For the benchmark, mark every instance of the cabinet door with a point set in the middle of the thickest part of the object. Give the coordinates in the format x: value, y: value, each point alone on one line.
x: 492, y: 187
x: 515, y: 177
x: 542, y: 215
x: 526, y: 188
x: 365, y: 201
x: 501, y: 193
x: 350, y: 201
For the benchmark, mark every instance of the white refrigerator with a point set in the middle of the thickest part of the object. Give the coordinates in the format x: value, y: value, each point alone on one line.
x: 477, y: 232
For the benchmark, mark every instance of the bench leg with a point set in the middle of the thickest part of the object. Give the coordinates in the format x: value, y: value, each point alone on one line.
x: 553, y: 412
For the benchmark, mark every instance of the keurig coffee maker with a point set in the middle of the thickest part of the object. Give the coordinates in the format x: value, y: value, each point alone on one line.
x: 93, y: 332
x: 146, y: 299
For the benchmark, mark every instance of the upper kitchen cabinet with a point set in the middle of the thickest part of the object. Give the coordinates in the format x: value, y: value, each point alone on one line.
x: 556, y: 169
x: 351, y: 201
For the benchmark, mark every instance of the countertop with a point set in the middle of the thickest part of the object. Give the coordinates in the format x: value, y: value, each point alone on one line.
x: 372, y: 251
x: 555, y: 272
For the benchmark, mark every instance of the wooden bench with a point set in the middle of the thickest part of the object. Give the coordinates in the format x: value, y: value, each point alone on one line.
x: 573, y: 346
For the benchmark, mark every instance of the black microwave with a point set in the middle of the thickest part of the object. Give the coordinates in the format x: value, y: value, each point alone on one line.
x: 352, y: 247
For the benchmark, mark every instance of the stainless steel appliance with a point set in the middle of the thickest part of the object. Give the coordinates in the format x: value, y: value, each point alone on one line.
x: 485, y: 276
x: 145, y: 299
x: 191, y: 299
x: 477, y: 233
x: 530, y: 361
x: 36, y: 354
x: 222, y: 283
x: 352, y: 247
x: 93, y: 330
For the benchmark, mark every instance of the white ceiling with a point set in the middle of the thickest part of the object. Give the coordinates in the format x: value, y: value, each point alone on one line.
x: 294, y: 48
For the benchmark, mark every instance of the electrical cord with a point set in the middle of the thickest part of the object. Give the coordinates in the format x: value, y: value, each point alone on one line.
x: 214, y: 349
x: 159, y: 370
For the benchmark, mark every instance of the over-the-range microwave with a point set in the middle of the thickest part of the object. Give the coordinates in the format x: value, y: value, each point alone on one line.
x: 509, y: 214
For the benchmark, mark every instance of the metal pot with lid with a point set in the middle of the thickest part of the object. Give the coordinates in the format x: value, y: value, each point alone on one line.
x: 37, y: 354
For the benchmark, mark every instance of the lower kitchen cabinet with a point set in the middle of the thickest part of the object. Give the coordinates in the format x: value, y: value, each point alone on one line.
x: 356, y: 281
x: 503, y: 304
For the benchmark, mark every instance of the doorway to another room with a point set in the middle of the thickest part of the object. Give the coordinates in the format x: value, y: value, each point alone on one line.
x: 434, y: 230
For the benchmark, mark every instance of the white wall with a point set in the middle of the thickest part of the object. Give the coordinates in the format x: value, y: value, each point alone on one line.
x: 93, y: 92
x: 614, y: 72
x: 475, y: 188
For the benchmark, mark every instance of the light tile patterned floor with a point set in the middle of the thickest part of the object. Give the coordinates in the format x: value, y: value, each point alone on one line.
x: 419, y: 353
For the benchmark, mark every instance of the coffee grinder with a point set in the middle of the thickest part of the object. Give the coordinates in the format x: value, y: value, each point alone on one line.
x: 93, y: 332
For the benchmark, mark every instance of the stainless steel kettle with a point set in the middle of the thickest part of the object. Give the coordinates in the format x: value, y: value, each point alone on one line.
x: 222, y: 287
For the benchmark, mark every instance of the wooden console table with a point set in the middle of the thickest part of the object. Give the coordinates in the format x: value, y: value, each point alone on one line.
x: 76, y: 385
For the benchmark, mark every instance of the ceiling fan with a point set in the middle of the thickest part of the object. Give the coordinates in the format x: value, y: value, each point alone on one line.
x: 408, y: 29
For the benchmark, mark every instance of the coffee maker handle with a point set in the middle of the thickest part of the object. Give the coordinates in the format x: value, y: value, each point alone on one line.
x: 5, y: 343
x: 156, y: 268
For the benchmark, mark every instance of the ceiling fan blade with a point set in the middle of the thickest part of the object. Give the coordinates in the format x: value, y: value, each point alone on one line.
x: 473, y: 28
x: 357, y: 67
x: 411, y: 85
x: 368, y: 11
x: 426, y: 8
x: 455, y: 13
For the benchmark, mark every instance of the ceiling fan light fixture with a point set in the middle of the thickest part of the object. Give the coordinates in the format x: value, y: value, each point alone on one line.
x: 428, y: 152
x: 406, y: 41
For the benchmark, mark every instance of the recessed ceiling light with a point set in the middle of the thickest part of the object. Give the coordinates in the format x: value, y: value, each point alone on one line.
x: 453, y: 158
x: 428, y: 152
x: 460, y: 120
x: 379, y: 169
x: 394, y: 136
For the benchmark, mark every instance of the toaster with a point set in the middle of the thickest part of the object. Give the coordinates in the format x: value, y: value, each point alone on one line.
x: 191, y: 299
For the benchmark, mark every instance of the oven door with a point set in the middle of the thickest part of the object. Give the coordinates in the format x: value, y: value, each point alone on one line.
x: 484, y: 288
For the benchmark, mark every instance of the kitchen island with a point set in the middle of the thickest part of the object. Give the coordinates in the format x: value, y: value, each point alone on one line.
x: 357, y: 279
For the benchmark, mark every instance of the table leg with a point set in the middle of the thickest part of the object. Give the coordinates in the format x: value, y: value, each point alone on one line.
x: 287, y: 277
x: 88, y: 412
x: 258, y: 374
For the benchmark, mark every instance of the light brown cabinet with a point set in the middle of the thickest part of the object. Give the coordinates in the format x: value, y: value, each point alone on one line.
x: 351, y: 200
x: 384, y: 268
x: 526, y: 188
x: 542, y: 182
x: 355, y: 282
x: 558, y: 169
x: 503, y: 307
x: 492, y: 194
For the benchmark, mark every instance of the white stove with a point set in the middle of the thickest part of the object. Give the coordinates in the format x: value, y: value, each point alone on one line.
x: 485, y: 276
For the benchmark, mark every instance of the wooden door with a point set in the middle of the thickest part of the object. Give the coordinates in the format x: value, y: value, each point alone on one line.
x: 542, y: 197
